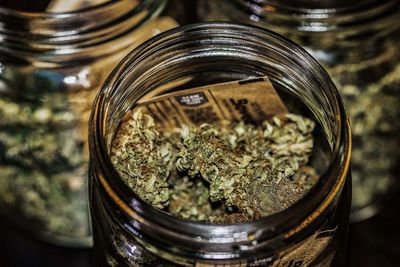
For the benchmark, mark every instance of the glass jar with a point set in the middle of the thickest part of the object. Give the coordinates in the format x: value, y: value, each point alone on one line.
x: 51, y: 67
x: 356, y: 42
x: 129, y: 232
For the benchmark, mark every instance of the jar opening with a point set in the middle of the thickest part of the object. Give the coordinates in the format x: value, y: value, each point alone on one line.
x: 197, y: 51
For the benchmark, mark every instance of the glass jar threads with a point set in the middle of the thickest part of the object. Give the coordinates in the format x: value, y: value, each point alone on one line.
x: 356, y: 42
x: 51, y: 66
x: 129, y: 231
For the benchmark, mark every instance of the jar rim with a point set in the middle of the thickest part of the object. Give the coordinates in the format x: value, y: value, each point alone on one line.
x: 25, y: 13
x: 71, y: 32
x: 317, y: 8
x: 265, y: 228
x: 317, y: 18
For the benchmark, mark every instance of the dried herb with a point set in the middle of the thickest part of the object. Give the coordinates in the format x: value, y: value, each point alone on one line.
x: 369, y: 89
x: 146, y: 160
x: 223, y: 173
x: 42, y: 163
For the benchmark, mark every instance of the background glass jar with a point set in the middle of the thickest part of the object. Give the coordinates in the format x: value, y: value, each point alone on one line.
x: 51, y: 67
x: 128, y: 231
x: 355, y: 41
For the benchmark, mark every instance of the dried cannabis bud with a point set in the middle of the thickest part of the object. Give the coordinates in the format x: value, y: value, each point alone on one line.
x: 190, y: 200
x: 369, y: 89
x: 251, y: 171
x: 144, y: 159
x: 42, y: 165
x: 225, y: 173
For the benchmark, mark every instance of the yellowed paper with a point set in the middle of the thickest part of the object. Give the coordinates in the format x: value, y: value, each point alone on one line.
x: 251, y: 101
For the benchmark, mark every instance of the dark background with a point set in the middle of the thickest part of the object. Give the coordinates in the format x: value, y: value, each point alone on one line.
x: 372, y: 243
